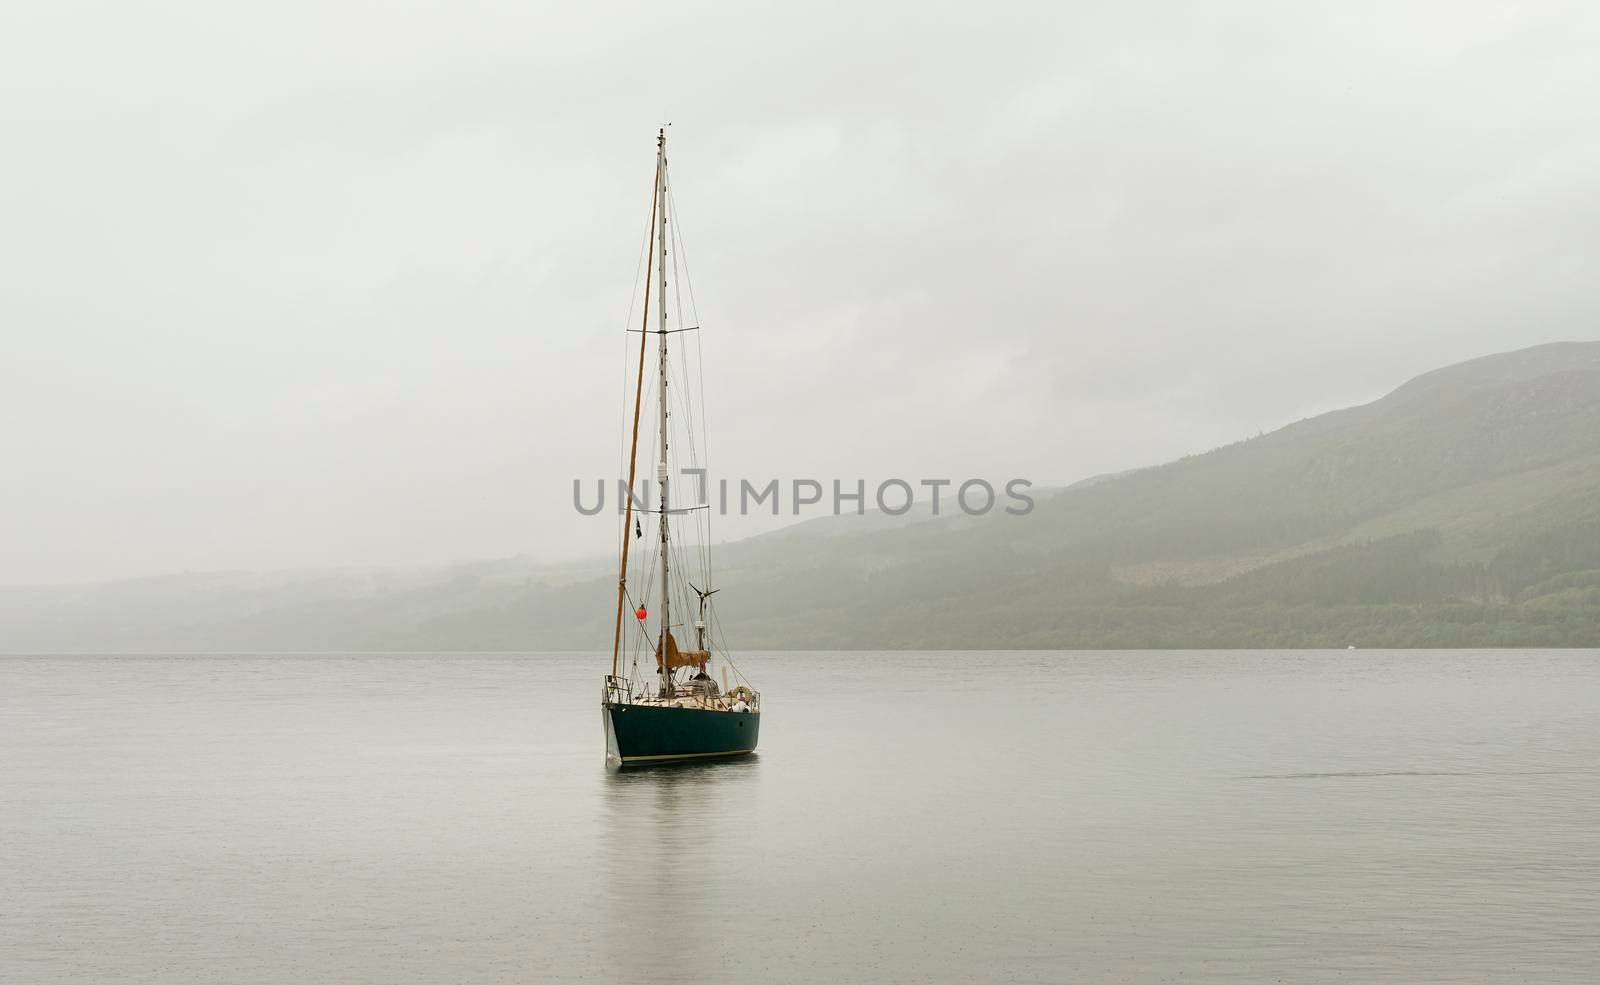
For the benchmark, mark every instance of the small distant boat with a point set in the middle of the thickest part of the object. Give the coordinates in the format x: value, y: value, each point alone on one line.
x: 674, y: 710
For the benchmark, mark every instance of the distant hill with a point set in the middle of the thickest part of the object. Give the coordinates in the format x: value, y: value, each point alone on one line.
x: 1463, y: 509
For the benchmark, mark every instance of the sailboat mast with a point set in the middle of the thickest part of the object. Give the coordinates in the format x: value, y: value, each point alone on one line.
x: 661, y: 468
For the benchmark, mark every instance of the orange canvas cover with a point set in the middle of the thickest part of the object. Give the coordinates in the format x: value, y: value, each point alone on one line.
x: 677, y: 658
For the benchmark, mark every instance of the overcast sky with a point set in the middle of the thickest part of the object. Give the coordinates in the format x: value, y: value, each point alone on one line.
x: 329, y: 283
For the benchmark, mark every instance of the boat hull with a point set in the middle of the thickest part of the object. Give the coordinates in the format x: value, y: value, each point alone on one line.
x: 642, y: 735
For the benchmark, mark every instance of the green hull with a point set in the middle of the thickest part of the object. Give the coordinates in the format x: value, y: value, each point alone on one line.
x: 645, y: 734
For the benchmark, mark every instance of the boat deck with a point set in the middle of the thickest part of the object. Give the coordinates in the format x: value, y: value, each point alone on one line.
x: 739, y: 700
x: 717, y: 703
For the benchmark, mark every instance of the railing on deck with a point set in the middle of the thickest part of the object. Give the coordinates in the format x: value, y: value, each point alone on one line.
x: 619, y: 691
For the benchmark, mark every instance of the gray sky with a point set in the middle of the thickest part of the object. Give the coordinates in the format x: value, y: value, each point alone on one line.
x: 322, y: 283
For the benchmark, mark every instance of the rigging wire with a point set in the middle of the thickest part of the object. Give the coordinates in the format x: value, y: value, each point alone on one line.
x: 696, y: 442
x: 694, y: 309
x: 658, y: 204
x: 633, y: 301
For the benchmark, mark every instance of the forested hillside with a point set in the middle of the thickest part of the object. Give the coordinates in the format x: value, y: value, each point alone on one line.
x: 1461, y: 510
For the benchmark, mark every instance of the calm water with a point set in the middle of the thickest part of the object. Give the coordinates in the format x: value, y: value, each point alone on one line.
x: 1047, y: 817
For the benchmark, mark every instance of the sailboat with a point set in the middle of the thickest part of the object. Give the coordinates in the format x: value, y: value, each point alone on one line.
x: 672, y: 709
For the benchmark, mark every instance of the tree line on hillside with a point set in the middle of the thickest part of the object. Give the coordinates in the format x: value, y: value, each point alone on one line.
x: 1543, y: 590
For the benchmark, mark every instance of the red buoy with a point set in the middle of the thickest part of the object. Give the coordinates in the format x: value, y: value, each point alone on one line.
x: 640, y: 612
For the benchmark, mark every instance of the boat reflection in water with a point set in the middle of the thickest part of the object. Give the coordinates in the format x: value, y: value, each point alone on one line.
x: 672, y: 860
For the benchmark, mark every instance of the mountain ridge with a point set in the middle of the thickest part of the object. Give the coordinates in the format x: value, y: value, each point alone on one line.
x: 1462, y: 508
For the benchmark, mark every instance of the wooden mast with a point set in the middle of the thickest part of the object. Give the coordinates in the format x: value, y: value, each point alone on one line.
x: 633, y: 448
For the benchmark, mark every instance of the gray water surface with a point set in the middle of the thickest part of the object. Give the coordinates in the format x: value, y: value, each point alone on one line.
x: 915, y: 817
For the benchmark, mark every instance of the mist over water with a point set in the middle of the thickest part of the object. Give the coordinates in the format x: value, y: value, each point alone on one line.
x: 1138, y: 816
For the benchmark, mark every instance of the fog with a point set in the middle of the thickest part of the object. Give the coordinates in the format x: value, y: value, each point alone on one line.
x: 334, y: 283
